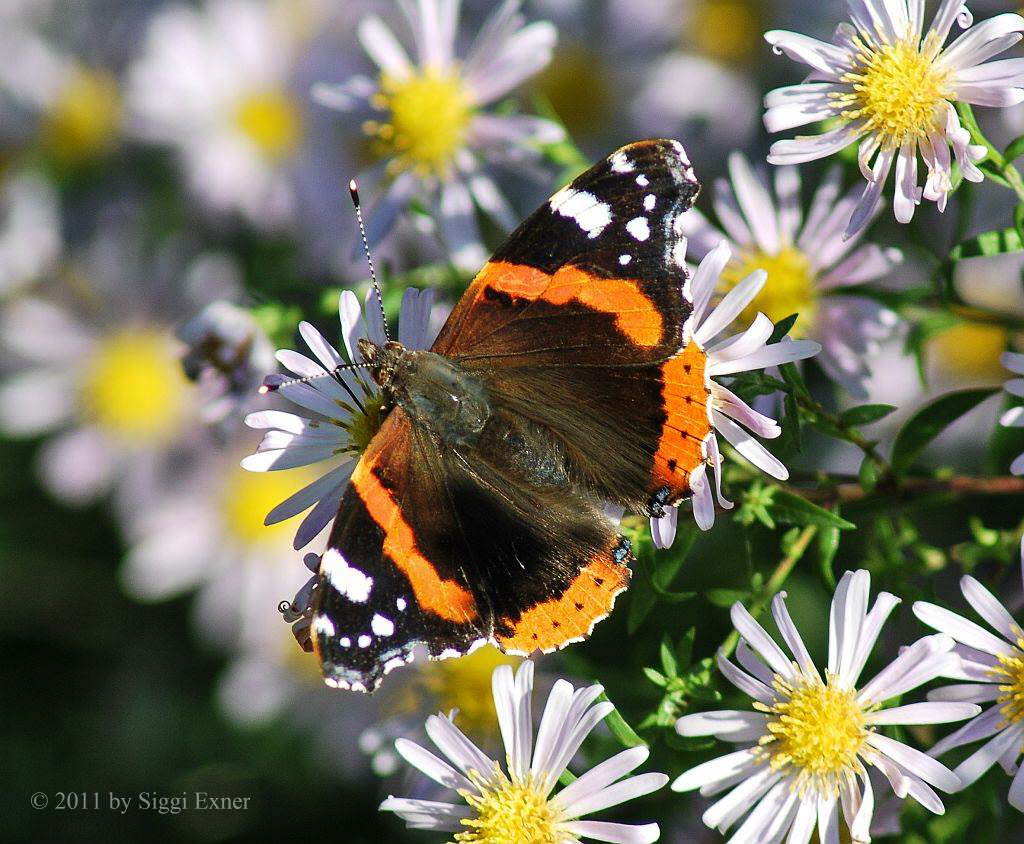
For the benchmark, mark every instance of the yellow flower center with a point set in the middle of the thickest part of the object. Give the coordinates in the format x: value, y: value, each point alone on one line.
x: 819, y: 729
x: 247, y: 497
x: 134, y: 387
x: 365, y: 423
x: 896, y: 90
x: 427, y: 120
x: 465, y: 684
x: 86, y: 117
x: 576, y: 69
x: 272, y: 121
x: 969, y: 352
x: 790, y: 287
x: 1011, y: 669
x: 727, y: 30
x: 508, y: 812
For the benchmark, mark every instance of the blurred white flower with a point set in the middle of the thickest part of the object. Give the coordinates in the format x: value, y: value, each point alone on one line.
x: 344, y: 409
x: 518, y: 805
x: 743, y: 352
x: 993, y: 666
x: 1014, y: 417
x: 992, y: 282
x: 70, y: 103
x: 30, y: 230
x: 807, y: 260
x: 427, y: 119
x: 213, y: 82
x: 96, y: 367
x: 807, y: 749
x: 892, y: 86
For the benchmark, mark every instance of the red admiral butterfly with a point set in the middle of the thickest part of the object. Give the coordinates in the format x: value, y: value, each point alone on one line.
x: 558, y: 384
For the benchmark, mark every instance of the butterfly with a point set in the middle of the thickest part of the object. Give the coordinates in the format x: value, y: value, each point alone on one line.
x: 559, y: 384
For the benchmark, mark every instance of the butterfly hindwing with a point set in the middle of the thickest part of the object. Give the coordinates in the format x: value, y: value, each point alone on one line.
x: 448, y: 549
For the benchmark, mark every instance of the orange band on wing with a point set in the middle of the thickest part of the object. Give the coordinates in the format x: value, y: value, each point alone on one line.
x: 570, y: 617
x: 443, y: 598
x: 685, y: 395
x: 635, y: 314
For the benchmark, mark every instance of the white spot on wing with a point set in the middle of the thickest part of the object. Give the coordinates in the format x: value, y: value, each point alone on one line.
x: 323, y: 625
x: 639, y: 228
x: 350, y: 582
x: 382, y: 626
x: 364, y: 641
x: 621, y: 163
x: 642, y: 180
x: 345, y: 642
x: 650, y: 201
x: 590, y: 214
x: 625, y: 259
x: 401, y: 604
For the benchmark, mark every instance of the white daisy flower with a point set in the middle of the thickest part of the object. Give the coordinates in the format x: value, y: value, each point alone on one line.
x: 993, y: 666
x: 97, y: 368
x: 517, y: 804
x: 806, y: 750
x: 892, y: 87
x: 213, y: 82
x: 1014, y: 417
x: 807, y: 261
x: 343, y: 409
x: 428, y: 120
x: 731, y: 355
x: 70, y: 105
x: 30, y: 230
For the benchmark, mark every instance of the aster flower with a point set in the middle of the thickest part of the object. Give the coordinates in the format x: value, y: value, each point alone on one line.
x: 517, y: 804
x: 891, y: 86
x: 993, y: 666
x: 1014, y: 417
x: 342, y: 410
x: 807, y: 260
x: 213, y: 82
x: 806, y: 750
x: 731, y: 355
x: 95, y: 367
x: 426, y: 118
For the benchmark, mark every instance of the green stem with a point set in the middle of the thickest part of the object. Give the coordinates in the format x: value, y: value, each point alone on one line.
x: 851, y: 434
x: 1003, y: 167
x: 775, y: 583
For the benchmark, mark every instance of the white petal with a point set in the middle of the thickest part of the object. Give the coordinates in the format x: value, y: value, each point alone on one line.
x: 924, y: 713
x: 756, y: 203
x: 1016, y: 795
x: 749, y: 447
x: 727, y: 725
x: 522, y: 56
x: 829, y: 61
x: 616, y: 833
x: 730, y: 307
x: 723, y: 768
x: 806, y: 148
x: 975, y: 765
x: 986, y: 605
x: 960, y: 628
x: 597, y: 778
x: 791, y: 636
x: 450, y: 740
x: 760, y: 641
x: 382, y: 46
x: 924, y: 660
x: 435, y: 768
x: 613, y: 795
x: 742, y: 681
x: 931, y: 771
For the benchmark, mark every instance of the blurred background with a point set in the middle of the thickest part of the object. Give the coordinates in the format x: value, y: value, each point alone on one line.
x: 172, y: 203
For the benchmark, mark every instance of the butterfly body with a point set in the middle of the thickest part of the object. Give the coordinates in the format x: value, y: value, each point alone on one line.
x: 559, y: 384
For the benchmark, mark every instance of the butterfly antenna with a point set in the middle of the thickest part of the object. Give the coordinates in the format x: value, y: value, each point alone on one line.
x: 353, y: 189
x: 271, y: 384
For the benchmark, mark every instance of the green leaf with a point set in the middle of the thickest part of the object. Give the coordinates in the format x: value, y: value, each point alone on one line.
x: 988, y: 243
x: 620, y: 729
x: 655, y: 677
x: 726, y: 597
x: 794, y: 510
x: 782, y: 328
x: 1015, y: 150
x: 932, y: 420
x: 865, y: 414
x: 828, y: 545
x: 868, y: 474
x: 668, y: 658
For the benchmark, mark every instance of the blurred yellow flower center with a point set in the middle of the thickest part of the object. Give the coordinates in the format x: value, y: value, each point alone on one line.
x: 427, y: 121
x: 969, y: 352
x: 727, y: 30
x: 508, y: 812
x: 272, y: 121
x: 465, y: 684
x: 790, y: 287
x: 85, y: 119
x: 576, y: 69
x: 249, y: 496
x: 1011, y: 699
x: 134, y: 387
x: 896, y: 90
x: 818, y: 728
